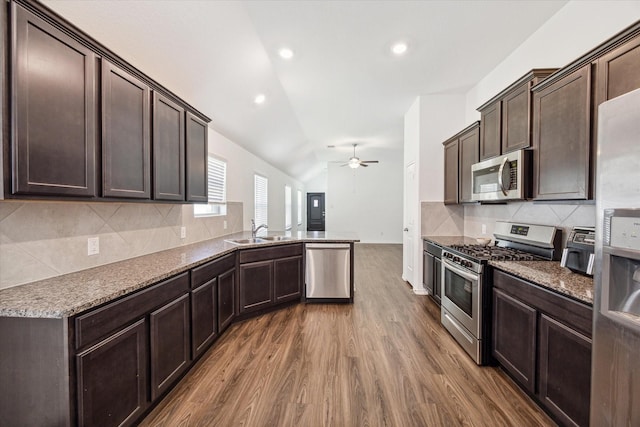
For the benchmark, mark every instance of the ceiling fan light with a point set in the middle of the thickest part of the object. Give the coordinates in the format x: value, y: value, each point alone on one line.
x: 353, y: 163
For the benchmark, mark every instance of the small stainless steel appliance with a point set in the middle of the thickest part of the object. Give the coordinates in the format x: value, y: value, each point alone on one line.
x: 502, y: 178
x: 466, y: 292
x: 615, y: 371
x: 579, y: 255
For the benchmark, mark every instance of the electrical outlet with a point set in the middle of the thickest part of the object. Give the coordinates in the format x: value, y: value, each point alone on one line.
x: 93, y: 246
x: 484, y: 228
x: 224, y: 224
x: 183, y: 232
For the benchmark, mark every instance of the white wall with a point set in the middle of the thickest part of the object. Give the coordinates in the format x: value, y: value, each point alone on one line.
x: 367, y: 201
x: 573, y: 31
x: 241, y: 167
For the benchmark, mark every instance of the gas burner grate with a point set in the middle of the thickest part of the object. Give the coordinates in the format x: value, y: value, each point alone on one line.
x: 495, y: 253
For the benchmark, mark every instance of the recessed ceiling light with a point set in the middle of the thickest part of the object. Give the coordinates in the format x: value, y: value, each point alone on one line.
x: 259, y: 99
x: 285, y: 53
x: 399, y: 48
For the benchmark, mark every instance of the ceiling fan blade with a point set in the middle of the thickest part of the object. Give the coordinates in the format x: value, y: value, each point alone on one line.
x: 363, y: 165
x: 369, y: 161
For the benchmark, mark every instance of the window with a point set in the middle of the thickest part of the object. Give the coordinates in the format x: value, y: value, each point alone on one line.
x: 299, y: 207
x: 261, y: 203
x: 287, y: 207
x: 216, y: 189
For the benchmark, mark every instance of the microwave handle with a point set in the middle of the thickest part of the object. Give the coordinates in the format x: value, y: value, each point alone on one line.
x: 500, y: 183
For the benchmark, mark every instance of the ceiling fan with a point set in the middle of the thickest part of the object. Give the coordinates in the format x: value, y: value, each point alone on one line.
x: 354, y: 162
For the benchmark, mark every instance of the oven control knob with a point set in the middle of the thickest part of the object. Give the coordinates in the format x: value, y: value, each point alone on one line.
x: 456, y: 259
x: 464, y: 263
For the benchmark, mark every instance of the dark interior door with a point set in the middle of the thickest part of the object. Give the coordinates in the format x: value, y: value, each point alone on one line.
x: 315, y: 212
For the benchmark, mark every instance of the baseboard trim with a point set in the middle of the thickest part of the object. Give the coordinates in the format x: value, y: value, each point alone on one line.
x: 420, y: 291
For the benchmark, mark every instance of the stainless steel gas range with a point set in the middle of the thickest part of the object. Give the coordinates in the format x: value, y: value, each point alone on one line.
x: 466, y: 287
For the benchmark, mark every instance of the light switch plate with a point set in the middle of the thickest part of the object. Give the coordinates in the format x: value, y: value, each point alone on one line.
x: 93, y: 246
x: 484, y: 228
x: 183, y: 232
x: 225, y: 224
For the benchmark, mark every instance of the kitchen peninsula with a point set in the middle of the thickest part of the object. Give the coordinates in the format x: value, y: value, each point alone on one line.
x: 148, y: 318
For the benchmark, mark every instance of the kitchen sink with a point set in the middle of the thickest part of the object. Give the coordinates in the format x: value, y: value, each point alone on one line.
x: 275, y: 238
x: 246, y: 241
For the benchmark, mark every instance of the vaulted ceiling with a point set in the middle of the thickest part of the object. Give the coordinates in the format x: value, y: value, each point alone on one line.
x: 343, y: 84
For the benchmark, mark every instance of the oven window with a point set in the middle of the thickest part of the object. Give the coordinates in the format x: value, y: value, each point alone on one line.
x: 459, y: 291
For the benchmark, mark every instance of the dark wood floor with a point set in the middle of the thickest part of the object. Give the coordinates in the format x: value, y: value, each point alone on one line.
x: 383, y: 361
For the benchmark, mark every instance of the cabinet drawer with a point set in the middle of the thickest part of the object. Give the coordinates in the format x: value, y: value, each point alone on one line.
x: 97, y: 323
x: 568, y: 311
x: 208, y: 271
x: 253, y: 255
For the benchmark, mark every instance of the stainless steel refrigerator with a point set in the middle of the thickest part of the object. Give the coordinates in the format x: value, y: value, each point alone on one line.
x: 615, y: 366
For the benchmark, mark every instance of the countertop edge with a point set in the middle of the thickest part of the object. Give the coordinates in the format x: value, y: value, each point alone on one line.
x: 228, y: 248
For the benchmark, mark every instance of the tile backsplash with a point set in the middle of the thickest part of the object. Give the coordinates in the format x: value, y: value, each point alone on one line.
x: 458, y: 220
x: 46, y: 239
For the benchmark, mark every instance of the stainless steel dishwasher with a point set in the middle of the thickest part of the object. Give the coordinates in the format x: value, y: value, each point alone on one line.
x: 328, y: 271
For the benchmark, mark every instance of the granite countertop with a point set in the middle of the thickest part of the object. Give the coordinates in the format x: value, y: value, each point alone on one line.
x: 550, y: 275
x: 72, y: 293
x: 547, y: 274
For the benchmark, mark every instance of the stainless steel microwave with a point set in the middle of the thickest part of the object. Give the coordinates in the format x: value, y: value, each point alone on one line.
x: 504, y: 177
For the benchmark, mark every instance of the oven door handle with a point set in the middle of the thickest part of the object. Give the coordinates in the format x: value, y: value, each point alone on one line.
x: 459, y: 271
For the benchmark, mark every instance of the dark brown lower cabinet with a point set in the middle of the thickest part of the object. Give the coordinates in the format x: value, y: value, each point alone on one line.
x: 204, y: 319
x: 542, y: 339
x: 565, y: 367
x: 514, y: 337
x: 112, y: 378
x: 287, y: 283
x: 256, y: 286
x: 269, y: 276
x: 169, y: 328
x: 226, y: 299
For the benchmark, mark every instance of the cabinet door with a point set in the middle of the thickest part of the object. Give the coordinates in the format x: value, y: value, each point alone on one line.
x: 169, y: 328
x: 197, y: 155
x: 204, y: 317
x: 514, y: 338
x: 126, y: 127
x: 112, y: 379
x: 226, y: 299
x: 288, y: 279
x: 565, y: 372
x: 469, y: 146
x: 618, y: 71
x: 256, y: 286
x: 490, y: 131
x: 561, y: 138
x: 428, y: 274
x: 168, y: 149
x: 516, y: 119
x: 437, y: 283
x: 54, y: 110
x: 451, y: 173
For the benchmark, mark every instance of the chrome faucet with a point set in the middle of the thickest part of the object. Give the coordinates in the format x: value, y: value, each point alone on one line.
x: 254, y: 229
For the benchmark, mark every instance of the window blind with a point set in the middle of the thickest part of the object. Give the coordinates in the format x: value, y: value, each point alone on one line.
x: 287, y: 207
x: 261, y: 203
x: 299, y: 207
x: 216, y: 191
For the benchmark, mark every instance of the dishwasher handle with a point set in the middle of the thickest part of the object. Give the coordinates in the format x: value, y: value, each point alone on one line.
x: 328, y: 246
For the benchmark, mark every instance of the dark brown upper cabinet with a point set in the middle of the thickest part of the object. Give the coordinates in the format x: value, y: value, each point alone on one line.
x: 490, y: 131
x: 460, y: 153
x: 451, y: 171
x: 197, y: 155
x: 505, y: 120
x: 54, y: 110
x: 618, y: 71
x: 562, y: 138
x: 469, y: 151
x: 168, y: 149
x: 126, y: 128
